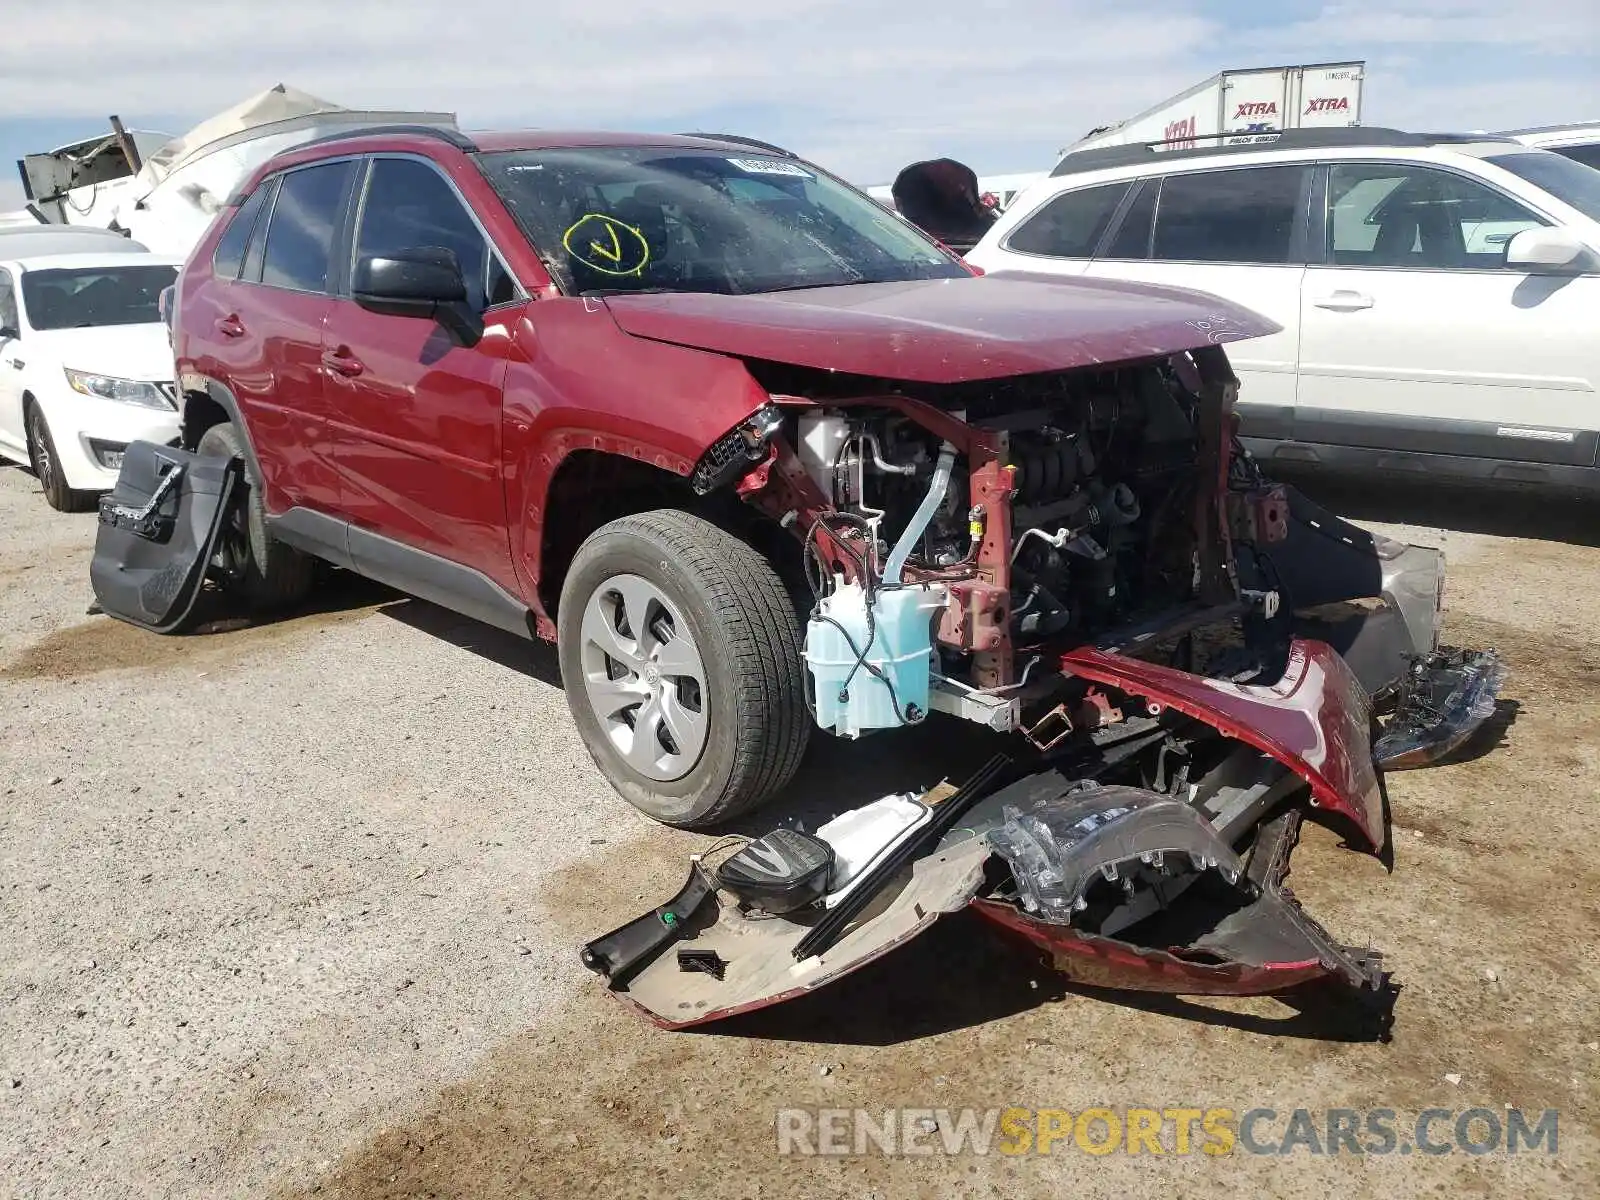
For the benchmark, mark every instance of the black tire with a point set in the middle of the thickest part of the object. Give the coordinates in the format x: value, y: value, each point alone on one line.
x: 46, y: 465
x: 747, y: 635
x: 266, y: 573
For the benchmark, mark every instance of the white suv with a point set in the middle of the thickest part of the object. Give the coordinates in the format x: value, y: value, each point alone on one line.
x: 1578, y: 142
x: 85, y: 365
x: 1439, y: 296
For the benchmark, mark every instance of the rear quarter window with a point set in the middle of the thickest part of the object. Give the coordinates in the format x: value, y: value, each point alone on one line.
x: 229, y: 255
x: 1071, y: 225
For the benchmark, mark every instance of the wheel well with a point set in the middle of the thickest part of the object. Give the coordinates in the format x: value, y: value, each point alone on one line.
x: 28, y: 403
x: 592, y: 488
x: 200, y: 413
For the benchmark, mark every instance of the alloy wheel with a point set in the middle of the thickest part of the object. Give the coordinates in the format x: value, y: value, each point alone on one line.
x: 44, y: 469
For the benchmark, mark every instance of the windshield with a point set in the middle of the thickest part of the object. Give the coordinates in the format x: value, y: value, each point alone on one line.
x: 84, y: 297
x: 662, y: 219
x: 1568, y: 181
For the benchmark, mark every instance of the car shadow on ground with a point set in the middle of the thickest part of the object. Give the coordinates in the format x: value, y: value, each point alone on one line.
x: 1497, y: 512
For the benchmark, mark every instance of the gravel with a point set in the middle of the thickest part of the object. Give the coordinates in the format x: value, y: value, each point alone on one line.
x: 295, y: 907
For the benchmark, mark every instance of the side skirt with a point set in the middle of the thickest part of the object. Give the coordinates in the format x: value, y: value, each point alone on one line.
x: 416, y: 572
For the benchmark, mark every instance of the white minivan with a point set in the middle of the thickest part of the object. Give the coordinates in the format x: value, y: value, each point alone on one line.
x: 85, y: 365
x: 1439, y: 296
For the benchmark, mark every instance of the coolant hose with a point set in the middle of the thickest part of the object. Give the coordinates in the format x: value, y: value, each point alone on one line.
x: 937, y: 487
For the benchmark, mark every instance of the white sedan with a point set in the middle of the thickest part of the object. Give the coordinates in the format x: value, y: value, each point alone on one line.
x: 85, y: 366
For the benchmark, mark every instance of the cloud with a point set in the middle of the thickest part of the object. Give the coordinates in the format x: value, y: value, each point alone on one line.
x: 862, y: 85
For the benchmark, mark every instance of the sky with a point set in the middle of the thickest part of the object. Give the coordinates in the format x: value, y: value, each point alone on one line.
x: 860, y: 86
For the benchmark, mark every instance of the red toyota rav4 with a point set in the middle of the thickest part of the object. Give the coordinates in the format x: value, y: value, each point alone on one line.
x: 759, y: 456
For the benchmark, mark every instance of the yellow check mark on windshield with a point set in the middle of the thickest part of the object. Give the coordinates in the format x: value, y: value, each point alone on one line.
x: 614, y: 253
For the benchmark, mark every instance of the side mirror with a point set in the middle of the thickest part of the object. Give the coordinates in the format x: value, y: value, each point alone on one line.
x: 1548, y: 250
x: 9, y: 333
x: 425, y: 282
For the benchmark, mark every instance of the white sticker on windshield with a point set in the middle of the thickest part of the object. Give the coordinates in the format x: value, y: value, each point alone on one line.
x: 767, y: 166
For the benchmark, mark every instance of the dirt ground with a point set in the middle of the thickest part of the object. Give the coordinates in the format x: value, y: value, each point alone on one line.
x: 294, y: 910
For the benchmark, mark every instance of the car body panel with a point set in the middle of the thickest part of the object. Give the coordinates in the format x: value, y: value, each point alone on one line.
x: 276, y: 375
x: 415, y: 433
x: 944, y: 330
x: 556, y: 406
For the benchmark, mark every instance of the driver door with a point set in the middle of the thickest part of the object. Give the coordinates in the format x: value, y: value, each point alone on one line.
x: 415, y: 416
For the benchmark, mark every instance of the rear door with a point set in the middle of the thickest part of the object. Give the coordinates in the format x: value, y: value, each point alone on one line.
x: 416, y: 416
x: 1239, y: 233
x: 262, y: 318
x: 1415, y: 336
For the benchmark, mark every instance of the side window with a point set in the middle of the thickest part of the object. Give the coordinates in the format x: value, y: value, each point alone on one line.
x: 1070, y: 225
x: 257, y: 249
x: 300, y: 233
x: 499, y: 287
x: 229, y: 255
x: 8, y: 303
x: 1132, y: 239
x: 409, y: 206
x: 1246, y: 215
x: 1404, y: 215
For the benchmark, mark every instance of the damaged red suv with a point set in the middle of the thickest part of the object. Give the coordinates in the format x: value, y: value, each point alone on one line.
x: 760, y: 457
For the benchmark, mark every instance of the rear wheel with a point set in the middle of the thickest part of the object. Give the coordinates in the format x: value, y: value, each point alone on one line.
x: 47, y: 470
x: 681, y: 659
x: 265, y: 572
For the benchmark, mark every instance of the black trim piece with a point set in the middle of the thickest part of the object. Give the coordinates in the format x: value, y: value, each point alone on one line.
x: 1443, y: 435
x: 629, y: 949
x: 1266, y: 420
x: 314, y: 533
x: 1316, y: 218
x: 1489, y: 472
x: 453, y: 136
x: 736, y: 139
x: 1289, y: 139
x: 416, y: 572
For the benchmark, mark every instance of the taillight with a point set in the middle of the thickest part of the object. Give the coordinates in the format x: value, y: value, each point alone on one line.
x: 972, y: 268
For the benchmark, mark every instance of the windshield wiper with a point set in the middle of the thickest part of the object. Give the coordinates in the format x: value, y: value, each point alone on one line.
x: 602, y: 293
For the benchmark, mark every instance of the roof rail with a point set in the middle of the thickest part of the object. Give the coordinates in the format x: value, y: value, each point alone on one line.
x: 444, y: 134
x: 1097, y: 157
x: 740, y: 140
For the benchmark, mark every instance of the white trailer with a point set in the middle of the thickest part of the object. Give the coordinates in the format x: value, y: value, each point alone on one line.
x: 1252, y: 104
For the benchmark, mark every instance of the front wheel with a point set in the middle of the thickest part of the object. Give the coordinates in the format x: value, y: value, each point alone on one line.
x: 265, y: 572
x: 47, y: 470
x: 681, y: 659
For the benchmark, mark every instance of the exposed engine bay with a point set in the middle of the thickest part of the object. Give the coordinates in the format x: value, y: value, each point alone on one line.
x: 1199, y: 659
x: 955, y: 537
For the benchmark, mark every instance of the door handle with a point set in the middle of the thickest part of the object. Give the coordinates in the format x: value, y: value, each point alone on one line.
x: 342, y: 362
x: 1344, y: 301
x: 230, y: 326
x: 17, y: 364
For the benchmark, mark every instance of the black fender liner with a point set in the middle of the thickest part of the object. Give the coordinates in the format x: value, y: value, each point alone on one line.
x: 158, y: 529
